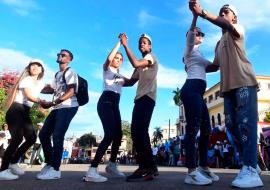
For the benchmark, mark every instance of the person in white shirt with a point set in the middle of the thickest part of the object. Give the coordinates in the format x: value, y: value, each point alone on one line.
x: 196, y: 111
x: 65, y: 106
x: 25, y: 94
x: 109, y: 113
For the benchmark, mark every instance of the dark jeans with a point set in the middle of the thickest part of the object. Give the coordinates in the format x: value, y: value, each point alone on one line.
x: 108, y: 111
x: 20, y: 125
x: 55, y: 125
x: 197, y: 118
x: 241, y: 116
x: 141, y: 117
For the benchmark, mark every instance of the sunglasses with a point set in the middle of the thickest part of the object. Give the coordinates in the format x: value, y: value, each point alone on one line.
x: 62, y: 55
x: 200, y: 34
x: 224, y: 10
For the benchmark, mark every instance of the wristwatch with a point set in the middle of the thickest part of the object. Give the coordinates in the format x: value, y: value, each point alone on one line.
x: 204, y: 13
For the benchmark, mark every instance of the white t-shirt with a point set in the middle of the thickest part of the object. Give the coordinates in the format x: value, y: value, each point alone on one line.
x: 60, y: 88
x: 35, y: 88
x: 113, y: 81
x: 194, y: 60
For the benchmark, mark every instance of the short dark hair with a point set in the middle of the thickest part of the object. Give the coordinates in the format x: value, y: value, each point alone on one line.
x: 69, y: 52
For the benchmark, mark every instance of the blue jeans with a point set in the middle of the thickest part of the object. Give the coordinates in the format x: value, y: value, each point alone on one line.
x: 197, y: 118
x: 241, y: 116
x: 55, y: 125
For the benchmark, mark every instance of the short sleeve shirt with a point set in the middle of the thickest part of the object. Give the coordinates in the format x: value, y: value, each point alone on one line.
x: 60, y: 88
x: 147, y: 77
x: 113, y: 81
x: 35, y: 89
x: 236, y: 71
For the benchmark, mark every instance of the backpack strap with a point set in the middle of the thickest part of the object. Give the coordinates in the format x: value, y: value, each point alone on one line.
x: 64, y: 74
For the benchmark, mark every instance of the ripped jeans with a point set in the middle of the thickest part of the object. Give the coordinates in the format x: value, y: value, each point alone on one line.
x: 241, y: 116
x: 197, y: 118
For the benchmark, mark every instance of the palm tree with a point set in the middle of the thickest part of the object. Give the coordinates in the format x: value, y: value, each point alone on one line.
x: 157, y: 135
x: 177, y: 98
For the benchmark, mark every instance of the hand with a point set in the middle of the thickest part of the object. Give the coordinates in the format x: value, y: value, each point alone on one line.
x: 45, y: 104
x: 195, y: 7
x: 123, y: 39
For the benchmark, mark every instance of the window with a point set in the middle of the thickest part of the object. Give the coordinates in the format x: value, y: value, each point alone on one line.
x: 219, y: 119
x: 268, y: 86
x: 213, y: 121
x: 217, y: 94
x: 210, y: 98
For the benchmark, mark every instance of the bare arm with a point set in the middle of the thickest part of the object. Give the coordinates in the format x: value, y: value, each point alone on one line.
x: 133, y: 60
x: 69, y: 93
x: 129, y: 82
x: 111, y: 55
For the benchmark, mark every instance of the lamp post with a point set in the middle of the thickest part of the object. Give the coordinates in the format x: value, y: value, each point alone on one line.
x: 169, y: 128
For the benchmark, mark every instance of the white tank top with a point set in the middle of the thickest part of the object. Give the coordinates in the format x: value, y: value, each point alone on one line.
x: 113, y: 81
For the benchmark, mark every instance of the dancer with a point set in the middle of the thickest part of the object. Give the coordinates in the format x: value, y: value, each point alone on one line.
x: 22, y: 98
x: 108, y: 111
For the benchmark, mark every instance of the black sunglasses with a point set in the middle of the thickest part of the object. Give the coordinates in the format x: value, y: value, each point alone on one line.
x: 200, y: 34
x: 62, y: 55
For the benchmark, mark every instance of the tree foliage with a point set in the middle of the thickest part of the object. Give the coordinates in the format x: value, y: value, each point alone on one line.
x: 87, y: 139
x: 267, y: 117
x: 127, y: 134
x: 177, y: 97
x: 157, y: 136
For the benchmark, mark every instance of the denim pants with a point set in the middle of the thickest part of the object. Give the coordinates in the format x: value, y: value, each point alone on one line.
x: 241, y: 116
x: 109, y: 113
x: 55, y: 125
x: 197, y: 118
x: 141, y: 117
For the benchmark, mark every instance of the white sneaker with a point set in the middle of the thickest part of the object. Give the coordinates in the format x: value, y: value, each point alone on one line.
x: 112, y: 169
x: 93, y: 175
x: 259, y: 171
x: 43, y: 170
x: 247, y: 178
x: 196, y: 178
x: 50, y: 174
x: 208, y: 173
x: 8, y: 175
x: 16, y: 169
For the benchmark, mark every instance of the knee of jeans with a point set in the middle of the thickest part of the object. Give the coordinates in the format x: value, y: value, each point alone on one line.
x: 245, y: 130
x: 108, y: 138
x: 193, y: 126
x: 17, y: 141
x: 31, y: 138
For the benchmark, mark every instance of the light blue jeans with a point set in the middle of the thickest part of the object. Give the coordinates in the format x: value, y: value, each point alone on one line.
x: 241, y: 116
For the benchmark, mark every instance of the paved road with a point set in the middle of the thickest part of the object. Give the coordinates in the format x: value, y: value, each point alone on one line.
x: 170, y: 178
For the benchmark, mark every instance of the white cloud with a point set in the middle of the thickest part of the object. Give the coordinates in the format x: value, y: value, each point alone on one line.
x: 22, y: 7
x: 93, y: 97
x: 146, y: 19
x: 170, y: 78
x: 14, y: 60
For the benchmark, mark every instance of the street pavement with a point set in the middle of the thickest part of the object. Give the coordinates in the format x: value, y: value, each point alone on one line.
x: 170, y: 178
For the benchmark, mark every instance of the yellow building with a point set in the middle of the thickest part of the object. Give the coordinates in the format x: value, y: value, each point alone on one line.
x: 216, y: 108
x: 215, y: 102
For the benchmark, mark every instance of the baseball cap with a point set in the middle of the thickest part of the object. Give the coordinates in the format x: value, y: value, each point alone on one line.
x: 231, y: 7
x: 146, y: 36
x: 40, y: 62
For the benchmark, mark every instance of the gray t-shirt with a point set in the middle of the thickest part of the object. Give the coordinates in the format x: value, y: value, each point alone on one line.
x: 236, y: 71
x: 147, y: 77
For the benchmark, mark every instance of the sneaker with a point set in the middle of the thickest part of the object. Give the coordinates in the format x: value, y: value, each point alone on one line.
x: 8, y: 175
x: 16, y: 169
x: 50, y: 174
x: 112, y: 169
x: 208, y: 173
x: 259, y: 171
x: 196, y: 178
x: 141, y: 175
x: 247, y: 177
x: 93, y: 176
x: 43, y: 170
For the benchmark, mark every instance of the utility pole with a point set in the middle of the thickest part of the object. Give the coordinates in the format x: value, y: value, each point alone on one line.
x: 169, y: 128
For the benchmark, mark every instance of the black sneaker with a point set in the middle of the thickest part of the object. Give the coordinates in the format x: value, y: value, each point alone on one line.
x: 140, y: 175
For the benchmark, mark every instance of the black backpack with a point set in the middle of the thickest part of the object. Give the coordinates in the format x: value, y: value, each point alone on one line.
x: 82, y: 93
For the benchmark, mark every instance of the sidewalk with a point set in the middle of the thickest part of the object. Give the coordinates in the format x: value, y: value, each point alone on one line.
x: 170, y: 178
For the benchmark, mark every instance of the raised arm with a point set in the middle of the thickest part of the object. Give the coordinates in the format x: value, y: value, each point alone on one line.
x: 111, y: 55
x: 217, y: 20
x: 133, y: 60
x: 190, y: 41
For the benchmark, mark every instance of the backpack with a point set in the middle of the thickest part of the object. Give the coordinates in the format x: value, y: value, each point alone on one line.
x: 82, y: 92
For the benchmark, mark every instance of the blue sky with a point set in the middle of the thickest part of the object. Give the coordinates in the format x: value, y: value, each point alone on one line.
x: 89, y: 28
